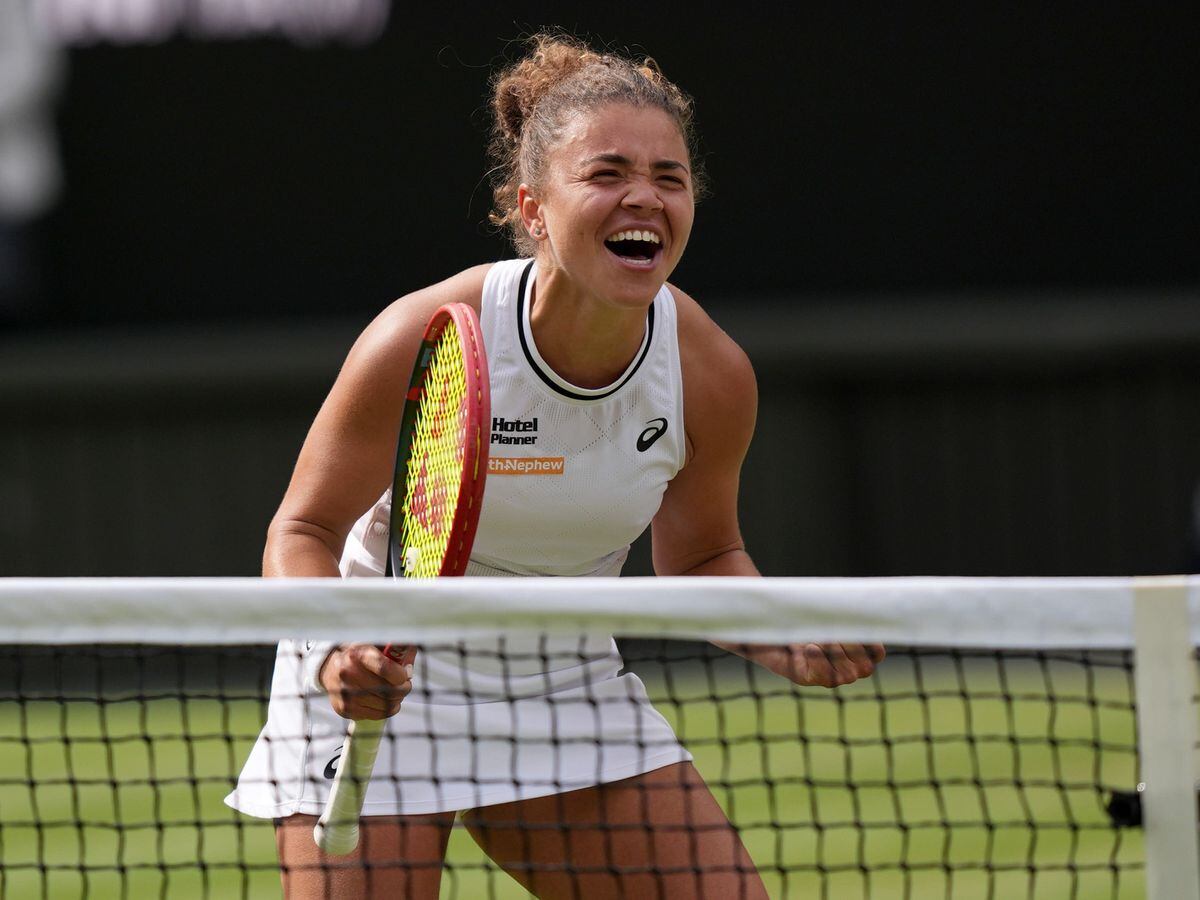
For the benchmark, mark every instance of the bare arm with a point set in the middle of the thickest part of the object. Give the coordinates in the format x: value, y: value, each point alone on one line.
x: 347, y: 459
x: 345, y: 465
x: 696, y: 529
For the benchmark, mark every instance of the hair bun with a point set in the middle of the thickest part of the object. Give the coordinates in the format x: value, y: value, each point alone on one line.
x: 518, y: 90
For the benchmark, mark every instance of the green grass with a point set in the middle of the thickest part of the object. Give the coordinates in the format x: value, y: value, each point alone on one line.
x: 162, y: 767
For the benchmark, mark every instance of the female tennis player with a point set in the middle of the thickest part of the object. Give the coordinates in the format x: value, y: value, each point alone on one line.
x: 616, y: 404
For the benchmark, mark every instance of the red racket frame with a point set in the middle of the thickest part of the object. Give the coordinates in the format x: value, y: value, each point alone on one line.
x: 475, y: 452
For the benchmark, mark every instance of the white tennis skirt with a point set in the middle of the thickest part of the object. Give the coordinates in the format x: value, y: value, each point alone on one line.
x: 487, y: 722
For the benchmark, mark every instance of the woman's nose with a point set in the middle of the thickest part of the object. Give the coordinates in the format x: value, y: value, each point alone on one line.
x: 642, y: 195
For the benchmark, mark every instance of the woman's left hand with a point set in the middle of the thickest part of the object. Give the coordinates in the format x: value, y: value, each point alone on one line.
x: 820, y: 665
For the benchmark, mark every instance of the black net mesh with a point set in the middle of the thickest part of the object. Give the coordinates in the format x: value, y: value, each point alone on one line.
x: 948, y: 774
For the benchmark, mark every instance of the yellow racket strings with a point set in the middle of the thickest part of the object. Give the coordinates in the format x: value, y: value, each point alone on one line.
x: 435, y: 463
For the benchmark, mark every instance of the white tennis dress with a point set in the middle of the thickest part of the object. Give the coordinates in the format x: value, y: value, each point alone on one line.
x: 575, y: 475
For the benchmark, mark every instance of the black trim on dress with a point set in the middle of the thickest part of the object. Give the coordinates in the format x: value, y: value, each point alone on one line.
x: 550, y: 382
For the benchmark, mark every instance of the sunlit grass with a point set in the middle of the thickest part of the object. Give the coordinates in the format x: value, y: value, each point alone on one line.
x: 127, y: 795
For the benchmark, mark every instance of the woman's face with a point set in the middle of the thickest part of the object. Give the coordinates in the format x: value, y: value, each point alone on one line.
x: 616, y: 206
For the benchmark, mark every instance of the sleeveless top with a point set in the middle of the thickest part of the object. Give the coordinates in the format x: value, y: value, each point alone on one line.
x: 575, y: 475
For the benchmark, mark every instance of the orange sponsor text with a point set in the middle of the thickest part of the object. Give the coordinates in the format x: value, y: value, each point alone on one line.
x: 526, y: 465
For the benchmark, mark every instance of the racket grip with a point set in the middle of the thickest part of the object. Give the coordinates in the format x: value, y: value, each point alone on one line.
x: 401, y: 653
x: 336, y: 832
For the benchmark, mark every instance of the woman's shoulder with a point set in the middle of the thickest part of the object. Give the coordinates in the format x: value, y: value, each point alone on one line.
x: 706, y: 352
x: 720, y: 394
x: 390, y: 341
x: 462, y: 287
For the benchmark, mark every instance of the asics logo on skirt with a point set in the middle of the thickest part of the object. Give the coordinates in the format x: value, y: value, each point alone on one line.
x: 331, y: 766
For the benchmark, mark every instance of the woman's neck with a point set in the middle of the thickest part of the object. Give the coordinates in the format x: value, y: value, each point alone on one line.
x: 586, y: 341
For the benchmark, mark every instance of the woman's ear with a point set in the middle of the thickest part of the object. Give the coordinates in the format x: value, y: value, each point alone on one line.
x: 531, y: 213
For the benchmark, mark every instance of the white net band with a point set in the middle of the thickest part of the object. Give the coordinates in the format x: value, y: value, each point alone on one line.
x: 1023, y: 737
x: 948, y: 612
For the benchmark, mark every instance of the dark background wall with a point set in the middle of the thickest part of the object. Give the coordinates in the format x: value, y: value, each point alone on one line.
x: 958, y: 243
x: 850, y: 147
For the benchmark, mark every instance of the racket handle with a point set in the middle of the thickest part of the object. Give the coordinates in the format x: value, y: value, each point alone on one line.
x: 336, y: 832
x: 401, y: 653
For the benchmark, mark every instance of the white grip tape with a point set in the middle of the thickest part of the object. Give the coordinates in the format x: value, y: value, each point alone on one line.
x: 336, y: 832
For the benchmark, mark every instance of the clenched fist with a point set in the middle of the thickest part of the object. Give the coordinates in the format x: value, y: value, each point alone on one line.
x: 814, y: 665
x: 820, y: 665
x: 363, y: 682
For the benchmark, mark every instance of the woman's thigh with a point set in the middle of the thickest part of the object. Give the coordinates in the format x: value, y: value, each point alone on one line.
x: 657, y: 835
x: 398, y: 857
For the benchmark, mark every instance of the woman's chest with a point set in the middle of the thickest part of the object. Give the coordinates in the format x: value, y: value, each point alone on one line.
x: 571, y: 483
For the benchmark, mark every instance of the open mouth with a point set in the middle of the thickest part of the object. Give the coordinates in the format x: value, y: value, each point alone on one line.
x: 640, y: 248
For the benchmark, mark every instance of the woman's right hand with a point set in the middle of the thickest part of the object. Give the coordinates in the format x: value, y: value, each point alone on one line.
x: 363, y: 682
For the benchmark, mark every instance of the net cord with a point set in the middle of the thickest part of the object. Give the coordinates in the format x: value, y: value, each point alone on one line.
x: 935, y: 612
x: 1157, y: 617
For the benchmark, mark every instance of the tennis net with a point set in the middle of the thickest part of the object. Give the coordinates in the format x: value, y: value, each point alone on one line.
x: 994, y: 753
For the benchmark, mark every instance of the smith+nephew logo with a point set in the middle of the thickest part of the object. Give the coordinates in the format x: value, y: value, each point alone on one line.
x: 526, y: 465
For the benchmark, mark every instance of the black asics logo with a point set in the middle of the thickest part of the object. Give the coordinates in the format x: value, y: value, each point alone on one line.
x: 647, y: 438
x: 331, y: 766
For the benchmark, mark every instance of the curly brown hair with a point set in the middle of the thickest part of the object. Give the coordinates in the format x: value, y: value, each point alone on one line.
x: 533, y: 99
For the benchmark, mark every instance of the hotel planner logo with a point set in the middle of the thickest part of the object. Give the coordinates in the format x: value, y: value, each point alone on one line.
x: 520, y: 432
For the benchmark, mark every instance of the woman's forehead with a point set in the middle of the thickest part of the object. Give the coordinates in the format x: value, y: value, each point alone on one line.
x: 623, y: 130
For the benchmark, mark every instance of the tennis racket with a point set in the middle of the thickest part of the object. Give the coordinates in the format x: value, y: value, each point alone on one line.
x: 437, y: 491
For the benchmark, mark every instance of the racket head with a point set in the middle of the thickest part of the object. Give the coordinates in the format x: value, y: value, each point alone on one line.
x: 441, y: 455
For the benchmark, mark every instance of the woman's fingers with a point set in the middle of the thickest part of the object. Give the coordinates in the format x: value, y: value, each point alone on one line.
x: 365, y: 683
x: 831, y: 665
x: 365, y: 697
x: 863, y: 657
